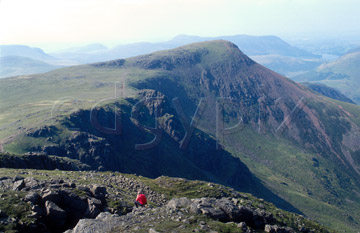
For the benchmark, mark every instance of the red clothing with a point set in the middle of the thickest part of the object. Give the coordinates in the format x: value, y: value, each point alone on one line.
x: 141, y: 198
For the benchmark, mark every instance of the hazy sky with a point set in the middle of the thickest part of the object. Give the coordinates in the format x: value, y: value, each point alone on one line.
x: 124, y: 21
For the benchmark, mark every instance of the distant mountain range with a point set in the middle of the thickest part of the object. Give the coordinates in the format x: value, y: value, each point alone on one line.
x: 287, y: 65
x: 253, y: 129
x: 328, y: 47
x: 270, y: 51
x: 22, y: 60
x: 251, y: 45
x: 18, y: 65
x: 24, y: 51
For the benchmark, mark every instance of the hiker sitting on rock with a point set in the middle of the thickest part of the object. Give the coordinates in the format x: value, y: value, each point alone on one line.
x: 140, y: 199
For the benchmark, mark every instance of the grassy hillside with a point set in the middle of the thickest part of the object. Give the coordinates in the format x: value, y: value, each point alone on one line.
x: 309, y: 181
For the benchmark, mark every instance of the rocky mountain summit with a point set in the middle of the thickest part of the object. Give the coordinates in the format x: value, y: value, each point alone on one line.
x: 57, y: 201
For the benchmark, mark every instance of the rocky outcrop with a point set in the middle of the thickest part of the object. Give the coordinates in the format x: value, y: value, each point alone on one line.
x: 102, y: 202
x: 56, y: 216
x: 18, y: 185
x: 56, y: 203
x: 278, y: 229
x: 224, y: 210
x: 86, y: 148
x: 44, y: 131
x: 113, y: 64
x: 186, y: 212
x: 33, y: 197
x: 104, y: 222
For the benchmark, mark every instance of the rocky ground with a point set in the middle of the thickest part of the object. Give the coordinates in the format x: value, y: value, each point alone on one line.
x: 57, y: 201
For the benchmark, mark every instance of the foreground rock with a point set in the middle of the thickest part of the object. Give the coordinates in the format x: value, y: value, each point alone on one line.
x: 56, y: 215
x: 104, y: 222
x: 56, y: 201
x: 186, y: 214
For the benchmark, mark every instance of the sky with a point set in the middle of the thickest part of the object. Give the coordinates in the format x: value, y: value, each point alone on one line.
x: 65, y: 22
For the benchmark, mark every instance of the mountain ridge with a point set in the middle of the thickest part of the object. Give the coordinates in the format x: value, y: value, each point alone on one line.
x: 261, y: 48
x: 328, y: 91
x: 24, y: 51
x: 341, y: 74
x: 319, y: 141
x: 252, y: 45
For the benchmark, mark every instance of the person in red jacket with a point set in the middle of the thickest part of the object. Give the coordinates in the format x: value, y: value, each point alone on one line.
x: 140, y: 199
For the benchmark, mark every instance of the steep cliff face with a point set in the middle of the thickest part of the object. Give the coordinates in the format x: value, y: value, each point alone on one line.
x: 135, y: 148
